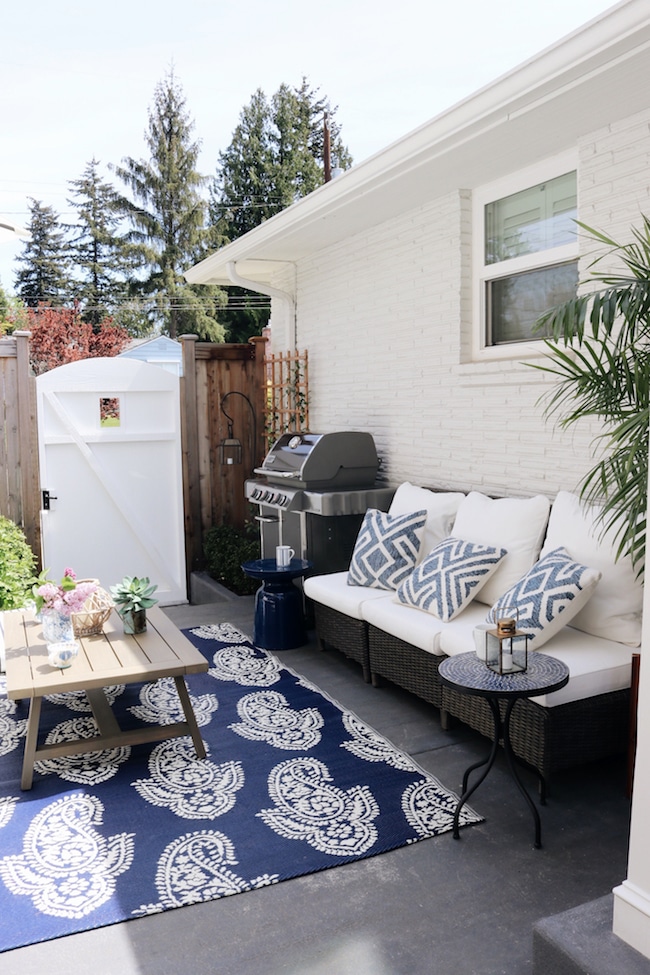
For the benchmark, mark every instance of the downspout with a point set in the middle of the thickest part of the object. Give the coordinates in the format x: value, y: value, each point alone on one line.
x: 265, y: 289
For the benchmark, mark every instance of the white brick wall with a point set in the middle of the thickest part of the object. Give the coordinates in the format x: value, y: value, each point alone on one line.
x: 386, y: 317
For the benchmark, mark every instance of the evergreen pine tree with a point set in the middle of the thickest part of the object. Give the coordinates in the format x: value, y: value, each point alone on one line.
x: 96, y: 251
x: 43, y: 279
x: 167, y: 217
x: 276, y: 156
x: 242, y: 193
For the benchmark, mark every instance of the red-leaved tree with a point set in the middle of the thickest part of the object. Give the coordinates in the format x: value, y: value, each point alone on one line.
x: 59, y: 335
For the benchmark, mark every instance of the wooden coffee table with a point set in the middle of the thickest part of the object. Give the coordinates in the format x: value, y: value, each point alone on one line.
x: 112, y: 657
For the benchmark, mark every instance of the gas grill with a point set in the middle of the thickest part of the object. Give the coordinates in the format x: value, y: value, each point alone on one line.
x: 313, y: 490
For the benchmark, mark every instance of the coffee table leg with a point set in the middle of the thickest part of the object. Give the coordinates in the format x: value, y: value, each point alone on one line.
x: 31, y: 740
x: 190, y: 717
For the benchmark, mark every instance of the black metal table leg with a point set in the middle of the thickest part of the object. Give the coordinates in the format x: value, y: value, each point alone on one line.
x: 466, y: 674
x: 488, y: 762
x: 512, y: 765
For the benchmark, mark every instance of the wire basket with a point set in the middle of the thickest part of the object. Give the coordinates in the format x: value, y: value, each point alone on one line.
x: 96, y: 610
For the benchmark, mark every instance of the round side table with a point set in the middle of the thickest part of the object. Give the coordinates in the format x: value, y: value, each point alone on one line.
x: 279, y: 618
x: 466, y: 674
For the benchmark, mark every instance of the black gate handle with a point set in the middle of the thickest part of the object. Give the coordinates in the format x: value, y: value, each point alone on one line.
x: 47, y: 497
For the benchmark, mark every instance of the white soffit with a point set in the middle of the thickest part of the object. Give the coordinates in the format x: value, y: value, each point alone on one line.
x: 585, y: 82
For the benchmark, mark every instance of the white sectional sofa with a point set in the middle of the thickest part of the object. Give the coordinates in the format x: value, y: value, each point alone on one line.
x: 594, y: 625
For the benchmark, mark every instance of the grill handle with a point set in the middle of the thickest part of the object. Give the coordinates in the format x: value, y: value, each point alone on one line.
x: 267, y: 470
x: 267, y: 519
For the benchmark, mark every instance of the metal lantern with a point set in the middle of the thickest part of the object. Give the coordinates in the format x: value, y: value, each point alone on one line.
x: 506, y: 648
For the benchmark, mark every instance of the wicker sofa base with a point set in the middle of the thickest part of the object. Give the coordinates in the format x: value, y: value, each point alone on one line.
x: 404, y: 665
x: 343, y: 633
x: 552, y: 739
x: 547, y: 739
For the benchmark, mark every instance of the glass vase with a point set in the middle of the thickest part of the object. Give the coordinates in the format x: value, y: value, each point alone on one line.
x: 57, y: 627
x: 134, y: 620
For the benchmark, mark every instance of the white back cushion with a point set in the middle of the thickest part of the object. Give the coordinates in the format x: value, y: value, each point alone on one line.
x: 516, y: 524
x: 441, y: 508
x: 614, y: 611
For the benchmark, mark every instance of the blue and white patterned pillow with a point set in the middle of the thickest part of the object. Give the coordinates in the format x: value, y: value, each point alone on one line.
x: 386, y: 549
x: 547, y: 597
x: 449, y: 577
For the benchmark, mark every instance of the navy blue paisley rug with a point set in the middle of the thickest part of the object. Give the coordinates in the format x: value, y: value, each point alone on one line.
x: 291, y: 784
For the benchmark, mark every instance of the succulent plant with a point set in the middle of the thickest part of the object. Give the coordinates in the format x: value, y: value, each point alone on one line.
x: 134, y: 593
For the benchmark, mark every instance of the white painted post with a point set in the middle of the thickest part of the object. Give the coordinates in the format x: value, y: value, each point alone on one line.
x: 632, y: 897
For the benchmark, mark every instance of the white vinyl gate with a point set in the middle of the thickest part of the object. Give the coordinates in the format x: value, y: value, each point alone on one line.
x: 111, y: 474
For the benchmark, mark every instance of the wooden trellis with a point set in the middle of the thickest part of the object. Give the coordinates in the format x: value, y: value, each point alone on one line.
x: 287, y: 394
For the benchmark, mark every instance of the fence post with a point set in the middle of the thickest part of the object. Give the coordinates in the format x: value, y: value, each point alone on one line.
x: 28, y: 446
x: 190, y: 450
x: 259, y: 394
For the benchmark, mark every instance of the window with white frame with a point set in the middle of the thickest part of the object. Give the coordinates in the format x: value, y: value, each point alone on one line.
x: 526, y: 254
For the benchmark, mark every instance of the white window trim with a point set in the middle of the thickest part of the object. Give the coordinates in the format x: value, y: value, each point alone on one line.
x: 513, y: 183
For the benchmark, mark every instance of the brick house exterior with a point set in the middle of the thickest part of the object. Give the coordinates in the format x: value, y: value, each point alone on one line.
x: 373, y: 273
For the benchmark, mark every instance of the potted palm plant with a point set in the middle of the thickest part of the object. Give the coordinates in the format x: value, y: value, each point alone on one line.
x: 599, y: 346
x: 133, y: 596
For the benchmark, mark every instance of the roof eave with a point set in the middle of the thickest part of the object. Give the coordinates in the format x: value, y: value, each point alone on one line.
x: 609, y: 44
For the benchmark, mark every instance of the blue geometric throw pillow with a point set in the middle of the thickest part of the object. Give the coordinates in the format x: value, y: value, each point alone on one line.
x: 551, y: 593
x: 386, y: 549
x: 449, y: 577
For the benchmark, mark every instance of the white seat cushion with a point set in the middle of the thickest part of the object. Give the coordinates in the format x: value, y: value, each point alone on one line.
x: 458, y: 635
x: 333, y: 591
x: 614, y: 610
x: 441, y: 508
x: 411, y: 625
x: 516, y: 524
x: 596, y: 666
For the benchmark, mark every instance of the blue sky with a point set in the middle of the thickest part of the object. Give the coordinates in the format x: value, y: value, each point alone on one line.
x: 77, y: 79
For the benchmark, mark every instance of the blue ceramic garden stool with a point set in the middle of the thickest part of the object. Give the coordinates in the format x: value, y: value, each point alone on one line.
x: 279, y: 617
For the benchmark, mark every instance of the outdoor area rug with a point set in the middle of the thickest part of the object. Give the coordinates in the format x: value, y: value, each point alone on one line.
x: 292, y: 784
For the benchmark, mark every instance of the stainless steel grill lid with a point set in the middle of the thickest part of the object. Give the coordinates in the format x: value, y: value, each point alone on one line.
x: 325, y: 460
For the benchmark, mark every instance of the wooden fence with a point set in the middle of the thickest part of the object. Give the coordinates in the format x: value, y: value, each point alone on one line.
x: 228, y: 392
x: 19, y: 480
x: 222, y: 397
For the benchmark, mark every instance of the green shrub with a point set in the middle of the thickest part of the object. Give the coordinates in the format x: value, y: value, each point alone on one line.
x: 16, y: 566
x: 225, y: 548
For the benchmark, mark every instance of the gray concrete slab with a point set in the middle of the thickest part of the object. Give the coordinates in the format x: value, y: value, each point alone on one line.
x: 581, y: 942
x: 467, y: 906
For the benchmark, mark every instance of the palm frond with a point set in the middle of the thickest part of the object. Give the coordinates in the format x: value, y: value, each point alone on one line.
x: 598, y: 349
